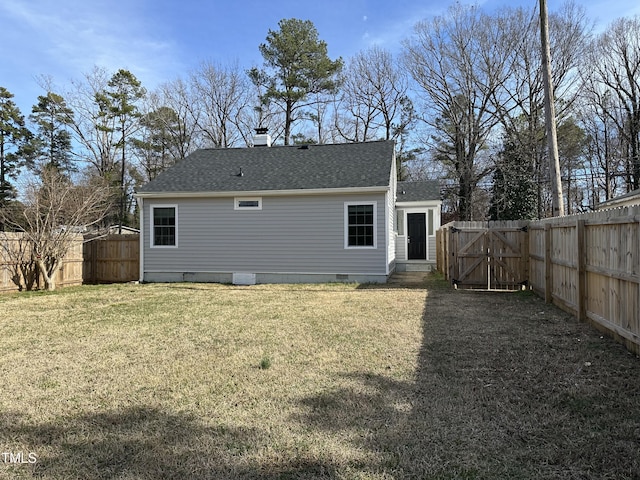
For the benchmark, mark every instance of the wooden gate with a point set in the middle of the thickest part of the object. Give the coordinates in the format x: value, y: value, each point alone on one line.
x: 493, y: 256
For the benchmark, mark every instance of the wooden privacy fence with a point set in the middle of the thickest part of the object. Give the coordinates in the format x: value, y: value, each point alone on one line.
x: 588, y: 265
x: 482, y: 255
x: 15, y: 252
x: 110, y: 259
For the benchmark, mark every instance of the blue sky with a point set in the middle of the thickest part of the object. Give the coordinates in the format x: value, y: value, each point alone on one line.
x: 161, y: 40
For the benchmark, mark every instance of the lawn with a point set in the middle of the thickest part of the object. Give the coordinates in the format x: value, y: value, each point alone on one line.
x: 210, y: 381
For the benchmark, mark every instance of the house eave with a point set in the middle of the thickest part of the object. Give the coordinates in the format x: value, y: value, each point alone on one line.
x: 421, y: 203
x: 265, y: 193
x: 618, y: 203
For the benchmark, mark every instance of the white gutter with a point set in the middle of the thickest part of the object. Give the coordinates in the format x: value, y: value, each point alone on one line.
x: 265, y: 193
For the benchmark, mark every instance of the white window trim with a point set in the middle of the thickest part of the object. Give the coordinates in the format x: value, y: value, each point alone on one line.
x: 237, y: 200
x: 375, y: 226
x: 401, y: 220
x: 151, y: 225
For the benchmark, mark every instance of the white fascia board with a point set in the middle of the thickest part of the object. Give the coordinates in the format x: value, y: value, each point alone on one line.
x: 265, y: 193
x: 424, y: 203
x: 629, y: 201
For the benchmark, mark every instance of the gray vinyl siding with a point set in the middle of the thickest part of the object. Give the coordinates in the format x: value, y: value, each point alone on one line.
x: 431, y: 248
x: 391, y: 237
x: 302, y: 234
x: 401, y: 247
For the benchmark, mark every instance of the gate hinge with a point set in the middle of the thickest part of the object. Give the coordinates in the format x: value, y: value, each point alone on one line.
x: 525, y: 229
x: 454, y: 230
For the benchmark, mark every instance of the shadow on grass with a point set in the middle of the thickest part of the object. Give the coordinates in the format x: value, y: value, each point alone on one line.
x: 410, y: 280
x: 140, y: 443
x: 505, y: 387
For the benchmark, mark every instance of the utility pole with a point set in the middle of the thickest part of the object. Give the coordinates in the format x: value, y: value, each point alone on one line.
x: 557, y: 199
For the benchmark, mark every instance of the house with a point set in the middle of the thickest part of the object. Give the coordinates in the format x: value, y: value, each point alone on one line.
x: 311, y: 213
x: 417, y: 212
x: 122, y: 230
x: 626, y: 200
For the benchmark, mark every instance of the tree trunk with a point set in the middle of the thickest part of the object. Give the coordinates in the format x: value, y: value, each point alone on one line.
x: 48, y: 274
x: 635, y: 151
x: 122, y: 189
x: 287, y: 122
x: 464, y: 199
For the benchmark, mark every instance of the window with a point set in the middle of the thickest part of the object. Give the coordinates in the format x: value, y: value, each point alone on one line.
x: 430, y: 223
x: 360, y: 225
x: 163, y: 226
x: 400, y: 222
x: 248, y: 203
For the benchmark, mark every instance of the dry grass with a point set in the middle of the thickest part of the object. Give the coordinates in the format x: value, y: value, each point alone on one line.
x: 338, y: 381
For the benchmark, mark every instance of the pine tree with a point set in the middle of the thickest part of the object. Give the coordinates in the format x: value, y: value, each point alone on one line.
x: 297, y: 66
x: 514, y: 192
x: 119, y: 102
x: 13, y: 134
x: 52, y: 144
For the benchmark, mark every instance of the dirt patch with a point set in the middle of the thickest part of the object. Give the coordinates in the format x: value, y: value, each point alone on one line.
x: 408, y: 279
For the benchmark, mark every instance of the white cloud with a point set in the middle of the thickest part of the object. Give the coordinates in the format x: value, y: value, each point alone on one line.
x: 392, y: 32
x: 71, y: 36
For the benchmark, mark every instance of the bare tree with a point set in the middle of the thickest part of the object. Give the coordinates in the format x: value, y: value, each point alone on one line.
x: 614, y: 60
x: 54, y: 212
x: 176, y: 95
x: 605, y: 148
x: 220, y: 104
x: 520, y: 104
x: 17, y: 258
x: 460, y: 62
x: 167, y: 133
x: 93, y: 131
x: 373, y: 102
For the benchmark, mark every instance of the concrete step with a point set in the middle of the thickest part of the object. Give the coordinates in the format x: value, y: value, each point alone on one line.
x: 415, y: 267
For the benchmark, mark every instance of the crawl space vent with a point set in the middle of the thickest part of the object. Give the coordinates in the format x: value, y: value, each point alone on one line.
x: 244, y: 278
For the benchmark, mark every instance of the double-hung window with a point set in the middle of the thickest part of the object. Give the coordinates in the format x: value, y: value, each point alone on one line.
x: 360, y: 225
x: 163, y: 226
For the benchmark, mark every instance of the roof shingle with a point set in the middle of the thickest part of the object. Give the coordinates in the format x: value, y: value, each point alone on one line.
x: 418, y: 191
x: 350, y: 165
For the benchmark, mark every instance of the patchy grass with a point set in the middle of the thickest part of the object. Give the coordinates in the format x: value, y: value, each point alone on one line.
x: 193, y: 381
x: 307, y: 381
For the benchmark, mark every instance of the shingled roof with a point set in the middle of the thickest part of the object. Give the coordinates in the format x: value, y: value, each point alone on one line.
x: 350, y: 165
x: 418, y: 191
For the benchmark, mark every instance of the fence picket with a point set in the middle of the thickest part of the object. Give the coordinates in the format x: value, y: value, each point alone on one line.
x: 587, y: 264
x: 111, y: 259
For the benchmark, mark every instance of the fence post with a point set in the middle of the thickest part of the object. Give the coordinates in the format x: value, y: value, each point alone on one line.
x: 94, y: 261
x: 453, y: 262
x: 581, y: 271
x: 526, y: 252
x: 548, y: 278
x: 438, y: 246
x: 445, y: 253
